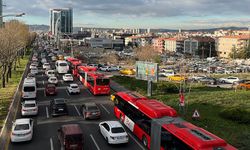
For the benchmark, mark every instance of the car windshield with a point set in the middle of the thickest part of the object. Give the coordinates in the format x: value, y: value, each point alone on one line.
x: 68, y: 76
x: 102, y: 81
x: 21, y: 127
x: 63, y: 64
x: 30, y: 105
x: 117, y: 130
x: 29, y: 89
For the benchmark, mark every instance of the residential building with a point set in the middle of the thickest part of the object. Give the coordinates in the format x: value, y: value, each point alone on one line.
x: 226, y: 44
x: 200, y: 46
x: 61, y: 20
x: 105, y: 43
x: 174, y: 45
x: 138, y: 41
x: 158, y: 44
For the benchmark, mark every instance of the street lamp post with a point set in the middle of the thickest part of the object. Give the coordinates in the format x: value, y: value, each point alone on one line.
x: 11, y: 15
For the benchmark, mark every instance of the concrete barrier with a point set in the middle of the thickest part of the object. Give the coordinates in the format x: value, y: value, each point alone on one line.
x: 6, y: 130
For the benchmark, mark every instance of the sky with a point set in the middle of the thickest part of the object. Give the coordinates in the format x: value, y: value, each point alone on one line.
x: 168, y: 14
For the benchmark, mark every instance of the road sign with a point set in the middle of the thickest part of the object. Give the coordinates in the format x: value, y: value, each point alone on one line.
x: 196, y: 114
x: 147, y: 71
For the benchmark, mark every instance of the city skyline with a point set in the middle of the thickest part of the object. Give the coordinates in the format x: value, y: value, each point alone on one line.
x: 191, y: 14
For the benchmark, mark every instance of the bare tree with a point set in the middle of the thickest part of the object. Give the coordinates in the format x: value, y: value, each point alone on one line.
x: 145, y: 53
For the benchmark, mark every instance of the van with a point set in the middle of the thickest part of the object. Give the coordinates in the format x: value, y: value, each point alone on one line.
x: 29, y: 88
x: 62, y: 66
x: 70, y: 137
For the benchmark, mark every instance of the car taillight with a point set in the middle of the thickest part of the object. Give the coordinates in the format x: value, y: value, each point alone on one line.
x: 24, y: 110
x: 88, y: 113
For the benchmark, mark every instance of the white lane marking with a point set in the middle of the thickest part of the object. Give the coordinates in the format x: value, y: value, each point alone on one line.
x: 105, y: 108
x: 94, y: 142
x: 141, y: 146
x: 51, y: 144
x: 43, y: 82
x: 47, y: 112
x: 77, y: 110
x: 42, y: 74
x: 44, y: 93
x: 67, y: 92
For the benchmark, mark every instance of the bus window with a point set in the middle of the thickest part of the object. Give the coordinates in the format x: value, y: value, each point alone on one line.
x: 102, y: 82
x: 90, y: 81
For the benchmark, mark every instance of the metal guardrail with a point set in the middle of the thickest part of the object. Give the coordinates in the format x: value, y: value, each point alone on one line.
x: 5, y: 132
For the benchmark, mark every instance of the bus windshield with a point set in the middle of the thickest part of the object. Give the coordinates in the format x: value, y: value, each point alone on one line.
x: 102, y: 82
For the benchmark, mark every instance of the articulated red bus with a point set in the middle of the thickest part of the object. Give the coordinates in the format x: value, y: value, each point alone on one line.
x: 97, y: 83
x: 73, y: 63
x: 137, y: 113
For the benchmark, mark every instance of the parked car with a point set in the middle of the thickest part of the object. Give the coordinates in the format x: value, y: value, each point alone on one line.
x: 73, y: 89
x: 46, y: 66
x: 245, y: 85
x: 198, y: 77
x: 90, y: 111
x: 115, y: 68
x: 208, y: 80
x: 29, y: 107
x: 58, y: 107
x: 70, y: 137
x: 177, y: 78
x: 113, y: 132
x: 229, y: 80
x: 105, y: 68
x: 53, y: 80
x: 50, y: 89
x: 127, y: 71
x: 22, y: 130
x: 166, y: 73
x: 68, y: 77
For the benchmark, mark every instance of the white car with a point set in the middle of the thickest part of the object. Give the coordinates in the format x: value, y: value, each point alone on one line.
x: 46, y: 66
x: 68, y: 77
x: 29, y: 108
x: 22, y: 130
x: 34, y: 70
x: 33, y: 65
x: 53, y: 80
x: 113, y: 132
x: 166, y: 73
x: 54, y: 58
x: 198, y: 77
x: 34, y: 58
x: 115, y: 68
x: 73, y: 88
x: 229, y: 80
x: 105, y: 68
x: 50, y: 73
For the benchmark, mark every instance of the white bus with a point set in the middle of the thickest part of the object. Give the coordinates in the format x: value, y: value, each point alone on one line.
x: 62, y: 66
x: 29, y: 88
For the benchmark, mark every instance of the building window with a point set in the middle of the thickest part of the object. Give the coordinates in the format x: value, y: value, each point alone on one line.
x: 225, y: 53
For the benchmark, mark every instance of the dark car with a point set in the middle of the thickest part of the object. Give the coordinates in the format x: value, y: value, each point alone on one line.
x: 50, y: 89
x: 70, y: 137
x: 90, y: 111
x: 208, y: 80
x: 58, y: 107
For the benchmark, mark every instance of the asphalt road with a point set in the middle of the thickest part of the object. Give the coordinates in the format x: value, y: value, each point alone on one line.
x: 45, y: 126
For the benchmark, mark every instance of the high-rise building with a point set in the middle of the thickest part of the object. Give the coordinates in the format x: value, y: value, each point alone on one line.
x: 61, y: 20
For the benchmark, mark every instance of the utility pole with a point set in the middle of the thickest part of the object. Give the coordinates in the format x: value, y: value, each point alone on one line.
x: 1, y: 13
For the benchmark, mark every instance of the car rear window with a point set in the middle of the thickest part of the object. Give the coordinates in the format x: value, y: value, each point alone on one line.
x: 92, y: 108
x: 74, y: 87
x: 21, y: 127
x: 74, y: 138
x: 30, y: 105
x: 117, y: 130
x: 29, y: 89
x: 63, y: 64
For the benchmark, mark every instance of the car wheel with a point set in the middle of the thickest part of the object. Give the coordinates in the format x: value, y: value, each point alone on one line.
x: 223, y: 81
x: 145, y: 141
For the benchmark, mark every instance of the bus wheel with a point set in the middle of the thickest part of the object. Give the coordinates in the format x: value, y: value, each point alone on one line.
x: 145, y: 141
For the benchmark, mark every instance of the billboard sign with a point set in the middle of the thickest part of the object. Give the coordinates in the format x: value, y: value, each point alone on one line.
x: 147, y: 71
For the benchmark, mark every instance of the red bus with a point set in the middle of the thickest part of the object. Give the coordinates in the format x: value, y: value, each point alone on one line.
x: 97, y: 83
x: 73, y: 63
x: 137, y: 113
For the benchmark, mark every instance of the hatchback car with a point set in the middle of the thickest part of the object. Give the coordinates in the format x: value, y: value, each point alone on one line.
x: 22, y: 130
x: 53, y: 80
x: 113, y: 132
x: 50, y: 73
x: 68, y: 77
x: 29, y: 108
x: 70, y: 137
x: 127, y: 71
x: 90, y: 111
x: 73, y: 89
x: 34, y: 70
x: 58, y: 107
x: 50, y: 89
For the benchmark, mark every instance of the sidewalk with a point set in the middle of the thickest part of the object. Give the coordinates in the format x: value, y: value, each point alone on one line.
x: 117, y: 87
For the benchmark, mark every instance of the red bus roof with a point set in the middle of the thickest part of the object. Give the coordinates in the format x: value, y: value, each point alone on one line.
x: 151, y: 108
x: 155, y: 109
x: 75, y: 63
x: 96, y: 75
x: 70, y: 59
x: 87, y: 68
x: 130, y: 96
x: 196, y: 137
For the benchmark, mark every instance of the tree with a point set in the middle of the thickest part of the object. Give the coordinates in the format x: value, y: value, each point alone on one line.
x: 146, y: 53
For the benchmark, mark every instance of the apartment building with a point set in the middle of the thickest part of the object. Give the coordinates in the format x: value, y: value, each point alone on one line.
x: 158, y: 44
x: 174, y: 45
x: 225, y: 45
x: 138, y: 40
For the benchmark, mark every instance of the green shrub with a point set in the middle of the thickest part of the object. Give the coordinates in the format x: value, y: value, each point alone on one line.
x: 166, y: 87
x: 239, y: 115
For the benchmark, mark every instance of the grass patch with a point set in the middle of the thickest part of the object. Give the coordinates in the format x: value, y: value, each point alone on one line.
x: 8, y: 92
x: 224, y: 112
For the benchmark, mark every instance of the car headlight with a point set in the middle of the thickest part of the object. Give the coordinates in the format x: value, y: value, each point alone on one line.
x: 112, y: 137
